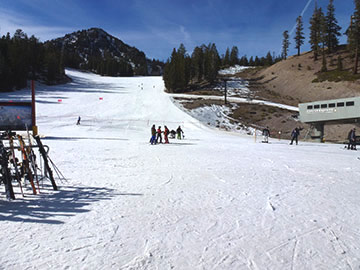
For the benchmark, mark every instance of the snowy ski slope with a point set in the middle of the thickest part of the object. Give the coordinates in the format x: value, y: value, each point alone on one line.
x: 215, y: 200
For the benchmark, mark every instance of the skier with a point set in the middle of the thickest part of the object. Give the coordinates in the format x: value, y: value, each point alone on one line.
x: 158, y: 136
x: 294, y: 135
x: 352, y: 139
x: 178, y: 132
x: 78, y: 121
x: 166, y: 133
x: 153, y: 135
x: 266, y: 134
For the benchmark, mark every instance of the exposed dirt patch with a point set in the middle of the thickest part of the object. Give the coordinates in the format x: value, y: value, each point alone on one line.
x: 253, y: 115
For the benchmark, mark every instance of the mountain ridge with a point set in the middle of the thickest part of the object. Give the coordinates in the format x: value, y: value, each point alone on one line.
x: 96, y: 50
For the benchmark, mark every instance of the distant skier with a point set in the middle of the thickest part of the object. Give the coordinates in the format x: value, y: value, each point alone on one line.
x: 166, y: 133
x: 78, y: 121
x: 153, y: 135
x: 266, y: 134
x: 352, y: 139
x: 179, y: 132
x: 158, y: 135
x: 294, y: 135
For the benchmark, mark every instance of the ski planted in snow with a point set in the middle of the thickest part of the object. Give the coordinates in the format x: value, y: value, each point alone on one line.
x: 26, y: 163
x: 46, y: 161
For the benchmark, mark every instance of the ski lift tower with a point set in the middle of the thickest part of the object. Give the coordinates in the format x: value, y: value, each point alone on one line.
x: 335, y: 111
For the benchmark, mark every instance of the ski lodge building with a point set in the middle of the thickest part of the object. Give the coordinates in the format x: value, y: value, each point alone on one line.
x: 335, y: 111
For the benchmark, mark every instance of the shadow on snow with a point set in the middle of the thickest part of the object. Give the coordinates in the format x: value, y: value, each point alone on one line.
x: 47, y: 208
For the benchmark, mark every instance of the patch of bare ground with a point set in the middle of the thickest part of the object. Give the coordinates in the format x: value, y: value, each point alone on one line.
x: 253, y: 115
x: 206, y: 92
x: 294, y: 80
x: 281, y: 122
x: 298, y: 79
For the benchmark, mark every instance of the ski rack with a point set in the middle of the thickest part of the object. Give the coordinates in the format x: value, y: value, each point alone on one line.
x: 12, y: 169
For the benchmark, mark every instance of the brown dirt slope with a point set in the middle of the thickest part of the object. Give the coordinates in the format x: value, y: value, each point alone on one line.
x: 291, y: 80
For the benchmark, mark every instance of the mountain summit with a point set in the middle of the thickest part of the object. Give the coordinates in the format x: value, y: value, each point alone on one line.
x: 97, y: 51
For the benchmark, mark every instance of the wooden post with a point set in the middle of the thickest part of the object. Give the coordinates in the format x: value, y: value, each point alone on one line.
x: 34, y: 127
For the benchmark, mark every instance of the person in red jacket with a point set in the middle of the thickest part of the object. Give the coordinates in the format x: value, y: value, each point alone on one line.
x: 166, y: 133
x: 158, y: 135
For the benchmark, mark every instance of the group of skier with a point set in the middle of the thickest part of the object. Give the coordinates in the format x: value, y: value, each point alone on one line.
x: 156, y: 134
x: 296, y: 133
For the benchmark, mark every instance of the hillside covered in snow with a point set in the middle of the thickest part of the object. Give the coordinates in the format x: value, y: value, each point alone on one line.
x: 213, y: 200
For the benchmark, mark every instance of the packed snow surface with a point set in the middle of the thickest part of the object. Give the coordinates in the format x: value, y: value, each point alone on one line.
x: 214, y: 200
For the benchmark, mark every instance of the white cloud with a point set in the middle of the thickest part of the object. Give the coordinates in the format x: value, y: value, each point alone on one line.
x: 10, y: 22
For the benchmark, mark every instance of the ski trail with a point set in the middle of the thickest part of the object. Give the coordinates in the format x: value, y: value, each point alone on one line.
x: 293, y: 256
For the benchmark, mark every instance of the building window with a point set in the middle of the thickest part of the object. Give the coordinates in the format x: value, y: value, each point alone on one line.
x: 323, y: 106
x: 309, y: 107
x: 316, y: 106
x: 332, y: 105
x: 350, y: 103
x: 340, y: 104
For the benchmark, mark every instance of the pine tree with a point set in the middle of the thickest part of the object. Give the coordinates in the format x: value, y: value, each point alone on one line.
x: 251, y: 61
x: 226, y: 59
x: 332, y: 28
x: 285, y: 44
x: 299, y: 35
x: 197, y: 67
x: 234, y: 56
x: 315, y: 32
x: 268, y: 59
x: 353, y: 33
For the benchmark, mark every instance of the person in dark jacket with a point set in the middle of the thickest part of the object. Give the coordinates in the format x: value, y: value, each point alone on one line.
x: 352, y: 139
x: 153, y: 135
x: 294, y: 135
x: 78, y: 121
x: 158, y: 135
x: 178, y: 132
x: 266, y: 134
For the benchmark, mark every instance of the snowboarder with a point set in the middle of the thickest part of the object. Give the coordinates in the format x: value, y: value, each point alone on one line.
x: 153, y: 135
x: 78, y: 121
x: 352, y: 139
x: 178, y: 132
x: 266, y: 134
x: 294, y: 135
x: 158, y: 134
x: 166, y: 133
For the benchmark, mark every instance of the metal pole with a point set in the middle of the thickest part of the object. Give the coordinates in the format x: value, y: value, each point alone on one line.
x: 225, y: 89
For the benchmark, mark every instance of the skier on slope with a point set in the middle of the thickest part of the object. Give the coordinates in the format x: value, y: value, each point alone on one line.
x: 166, y: 133
x: 78, y: 121
x: 352, y: 139
x: 178, y: 132
x: 294, y: 135
x: 153, y: 135
x: 266, y: 134
x: 158, y: 134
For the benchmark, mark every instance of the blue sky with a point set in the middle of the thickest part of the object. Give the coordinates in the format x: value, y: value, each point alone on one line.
x: 158, y: 26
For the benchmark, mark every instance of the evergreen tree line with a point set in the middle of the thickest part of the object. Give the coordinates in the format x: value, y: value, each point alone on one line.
x: 23, y: 58
x: 325, y: 33
x: 182, y: 70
